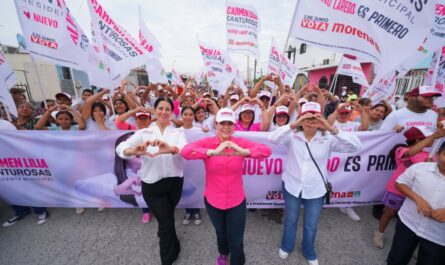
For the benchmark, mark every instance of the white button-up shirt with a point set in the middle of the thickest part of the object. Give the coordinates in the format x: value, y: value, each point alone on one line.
x: 300, y: 173
x: 161, y: 166
x: 425, y: 180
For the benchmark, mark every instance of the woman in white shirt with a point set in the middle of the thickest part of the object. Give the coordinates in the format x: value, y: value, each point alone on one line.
x: 159, y: 147
x: 302, y: 181
x: 188, y: 118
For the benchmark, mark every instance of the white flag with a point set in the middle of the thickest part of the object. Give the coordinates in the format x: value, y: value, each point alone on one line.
x: 50, y: 33
x: 274, y: 59
x: 176, y: 78
x: 148, y: 39
x: 122, y: 51
x: 378, y: 31
x: 218, y: 67
x: 435, y: 75
x: 382, y: 89
x: 243, y: 27
x: 7, y: 80
x: 288, y: 71
x: 156, y: 72
x: 353, y: 69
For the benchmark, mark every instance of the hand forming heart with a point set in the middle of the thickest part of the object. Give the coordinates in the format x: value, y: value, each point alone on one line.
x: 126, y: 187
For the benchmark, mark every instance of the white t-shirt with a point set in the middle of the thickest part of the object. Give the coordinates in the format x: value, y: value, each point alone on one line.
x: 426, y: 122
x: 92, y: 125
x: 349, y: 126
x: 7, y: 126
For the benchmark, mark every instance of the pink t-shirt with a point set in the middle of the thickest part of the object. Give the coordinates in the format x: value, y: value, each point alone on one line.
x: 402, y: 164
x: 224, y: 174
x: 255, y: 127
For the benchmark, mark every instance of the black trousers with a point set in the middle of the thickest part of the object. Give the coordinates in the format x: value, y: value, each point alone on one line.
x: 229, y: 227
x: 163, y: 196
x: 405, y: 242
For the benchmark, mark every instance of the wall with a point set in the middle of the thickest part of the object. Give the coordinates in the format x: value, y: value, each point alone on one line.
x: 50, y: 82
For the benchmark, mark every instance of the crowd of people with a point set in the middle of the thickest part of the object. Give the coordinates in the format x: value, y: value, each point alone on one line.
x: 310, y: 123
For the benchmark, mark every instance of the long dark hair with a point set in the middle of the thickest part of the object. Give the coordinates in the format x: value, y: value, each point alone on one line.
x: 119, y: 170
x: 101, y: 106
x: 123, y: 102
x: 198, y: 108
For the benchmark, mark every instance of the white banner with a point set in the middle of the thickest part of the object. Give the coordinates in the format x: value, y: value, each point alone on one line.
x: 148, y: 39
x: 353, y: 69
x: 122, y: 51
x: 243, y: 27
x: 7, y: 80
x: 89, y: 175
x: 218, y: 67
x: 383, y: 32
x: 288, y: 71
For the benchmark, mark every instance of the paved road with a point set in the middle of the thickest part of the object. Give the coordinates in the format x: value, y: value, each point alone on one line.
x: 117, y: 236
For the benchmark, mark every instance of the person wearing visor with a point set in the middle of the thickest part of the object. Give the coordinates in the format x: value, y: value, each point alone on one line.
x: 64, y: 99
x: 311, y: 140
x: 265, y: 97
x: 246, y: 117
x: 224, y: 195
x: 417, y: 113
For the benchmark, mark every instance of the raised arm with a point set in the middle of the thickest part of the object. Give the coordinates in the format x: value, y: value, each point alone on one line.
x: 40, y: 125
x: 428, y: 141
x: 86, y: 109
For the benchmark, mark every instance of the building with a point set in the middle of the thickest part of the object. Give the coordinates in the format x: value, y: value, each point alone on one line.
x: 54, y: 78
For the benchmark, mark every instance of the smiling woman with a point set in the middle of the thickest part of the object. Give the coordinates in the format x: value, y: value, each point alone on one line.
x: 161, y: 173
x: 224, y: 196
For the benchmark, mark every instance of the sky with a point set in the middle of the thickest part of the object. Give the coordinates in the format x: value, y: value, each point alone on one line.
x: 176, y: 23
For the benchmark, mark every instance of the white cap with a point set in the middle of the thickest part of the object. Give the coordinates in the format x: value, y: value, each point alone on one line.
x: 143, y: 114
x: 282, y: 109
x: 206, y: 94
x: 302, y: 100
x: 247, y: 107
x: 264, y: 93
x: 234, y: 96
x: 225, y: 114
x: 312, y: 107
x: 64, y: 94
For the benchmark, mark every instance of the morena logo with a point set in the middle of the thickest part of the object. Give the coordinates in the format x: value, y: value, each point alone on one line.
x: 345, y: 194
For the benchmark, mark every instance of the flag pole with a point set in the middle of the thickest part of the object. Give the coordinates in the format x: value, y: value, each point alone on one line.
x: 74, y: 83
x: 39, y: 81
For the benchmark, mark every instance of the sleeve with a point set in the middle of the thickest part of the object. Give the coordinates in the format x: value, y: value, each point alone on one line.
x: 407, y: 177
x: 257, y: 150
x: 281, y: 135
x: 196, y: 150
x: 133, y: 141
x: 345, y: 142
x: 400, y: 152
x: 123, y: 125
x: 388, y: 123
